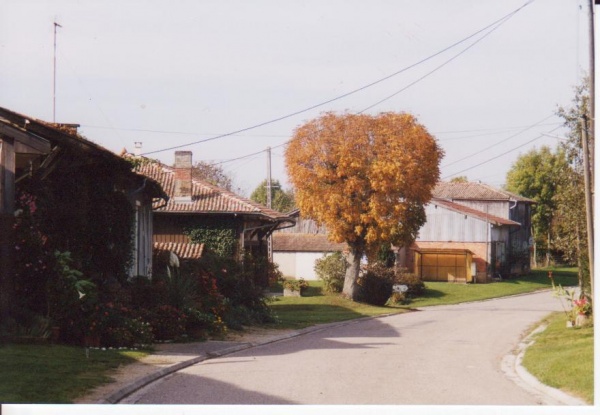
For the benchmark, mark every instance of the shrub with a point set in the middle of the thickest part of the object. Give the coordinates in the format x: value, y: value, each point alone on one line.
x: 295, y: 284
x: 332, y: 270
x: 376, y: 284
x: 167, y: 322
x: 245, y: 302
x: 199, y: 323
x: 416, y: 287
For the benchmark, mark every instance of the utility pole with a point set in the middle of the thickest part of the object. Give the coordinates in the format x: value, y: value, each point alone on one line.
x: 54, y: 83
x: 269, y: 195
x: 592, y: 125
x: 588, y: 199
x: 269, y: 203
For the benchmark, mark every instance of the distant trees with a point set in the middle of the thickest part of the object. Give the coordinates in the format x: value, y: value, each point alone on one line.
x: 366, y: 178
x: 213, y: 174
x: 281, y: 200
x: 536, y: 175
x: 556, y: 181
x: 570, y: 216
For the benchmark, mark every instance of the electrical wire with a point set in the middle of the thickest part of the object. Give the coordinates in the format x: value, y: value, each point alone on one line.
x: 499, y: 142
x: 500, y: 155
x: 262, y: 124
x: 437, y: 68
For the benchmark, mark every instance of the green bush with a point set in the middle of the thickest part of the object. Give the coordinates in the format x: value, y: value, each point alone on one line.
x: 416, y: 287
x: 332, y: 270
x: 245, y: 302
x: 376, y: 284
x: 167, y: 322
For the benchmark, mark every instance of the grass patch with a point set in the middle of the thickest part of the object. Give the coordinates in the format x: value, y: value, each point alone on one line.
x: 317, y: 307
x: 440, y: 293
x: 54, y: 373
x: 563, y: 358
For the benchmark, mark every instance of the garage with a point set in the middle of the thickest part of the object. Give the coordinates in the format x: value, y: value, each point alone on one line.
x: 445, y: 265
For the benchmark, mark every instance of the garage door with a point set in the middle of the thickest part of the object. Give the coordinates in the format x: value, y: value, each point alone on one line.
x: 443, y: 267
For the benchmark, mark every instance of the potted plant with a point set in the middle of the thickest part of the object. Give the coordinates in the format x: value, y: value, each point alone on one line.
x: 582, y: 310
x: 293, y: 287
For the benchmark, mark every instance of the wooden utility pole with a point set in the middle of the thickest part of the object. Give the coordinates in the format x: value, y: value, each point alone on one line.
x: 269, y: 203
x: 588, y: 198
x: 54, y: 81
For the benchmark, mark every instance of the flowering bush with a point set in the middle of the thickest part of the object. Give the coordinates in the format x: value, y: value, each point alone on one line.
x: 295, y: 285
x: 574, y: 307
x: 167, y: 322
x: 582, y: 307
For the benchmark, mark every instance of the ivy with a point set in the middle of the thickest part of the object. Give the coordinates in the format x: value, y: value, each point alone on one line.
x: 217, y: 235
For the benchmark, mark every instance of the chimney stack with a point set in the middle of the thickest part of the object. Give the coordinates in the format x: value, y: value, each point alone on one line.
x: 183, y: 176
x: 138, y: 148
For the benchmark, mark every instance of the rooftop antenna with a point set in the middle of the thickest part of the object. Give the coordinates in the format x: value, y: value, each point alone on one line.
x: 54, y: 83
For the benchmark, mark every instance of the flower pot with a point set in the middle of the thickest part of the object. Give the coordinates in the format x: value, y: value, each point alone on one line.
x: 288, y: 292
x: 581, y: 320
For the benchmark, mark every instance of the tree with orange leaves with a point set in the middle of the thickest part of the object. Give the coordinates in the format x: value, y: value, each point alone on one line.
x: 366, y: 178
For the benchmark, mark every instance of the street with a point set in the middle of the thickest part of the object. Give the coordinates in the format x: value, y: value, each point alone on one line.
x: 442, y: 355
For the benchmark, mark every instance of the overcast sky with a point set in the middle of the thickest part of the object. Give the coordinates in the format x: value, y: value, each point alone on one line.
x: 171, y: 73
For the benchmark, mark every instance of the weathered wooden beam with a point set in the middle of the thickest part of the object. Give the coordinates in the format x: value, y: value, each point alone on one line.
x: 26, y: 143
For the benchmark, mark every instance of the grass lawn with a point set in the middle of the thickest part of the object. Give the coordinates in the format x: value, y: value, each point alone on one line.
x: 563, y: 357
x: 440, y: 293
x: 54, y: 373
x: 315, y: 307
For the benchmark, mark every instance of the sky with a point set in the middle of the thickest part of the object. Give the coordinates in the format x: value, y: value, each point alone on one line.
x: 227, y: 79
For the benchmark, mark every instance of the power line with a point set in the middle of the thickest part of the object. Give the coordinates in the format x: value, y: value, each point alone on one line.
x: 500, y: 155
x: 437, y: 68
x: 348, y: 93
x: 499, y: 142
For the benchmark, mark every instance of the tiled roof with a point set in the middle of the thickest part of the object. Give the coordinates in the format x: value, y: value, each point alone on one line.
x: 182, y: 250
x: 302, y: 242
x: 206, y: 198
x: 474, y: 191
x: 495, y: 220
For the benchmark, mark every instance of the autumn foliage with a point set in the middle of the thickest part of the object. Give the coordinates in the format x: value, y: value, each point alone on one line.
x: 366, y: 178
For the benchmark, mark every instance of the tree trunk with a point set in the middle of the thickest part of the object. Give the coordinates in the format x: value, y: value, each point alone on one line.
x: 350, y: 286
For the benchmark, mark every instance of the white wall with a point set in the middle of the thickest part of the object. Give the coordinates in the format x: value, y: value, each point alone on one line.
x: 297, y: 264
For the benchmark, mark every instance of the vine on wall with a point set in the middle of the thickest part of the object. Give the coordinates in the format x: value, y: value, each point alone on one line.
x: 218, y: 235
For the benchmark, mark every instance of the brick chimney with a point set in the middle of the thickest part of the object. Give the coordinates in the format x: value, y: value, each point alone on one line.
x: 183, y: 176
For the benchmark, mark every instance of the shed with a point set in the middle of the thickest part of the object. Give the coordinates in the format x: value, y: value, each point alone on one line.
x: 447, y: 265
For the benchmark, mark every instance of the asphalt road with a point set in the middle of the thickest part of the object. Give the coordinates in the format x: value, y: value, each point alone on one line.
x: 442, y: 355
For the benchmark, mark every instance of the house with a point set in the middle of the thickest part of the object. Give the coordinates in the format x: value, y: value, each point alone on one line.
x: 473, y: 233
x: 92, y: 199
x: 296, y: 249
x: 197, y: 206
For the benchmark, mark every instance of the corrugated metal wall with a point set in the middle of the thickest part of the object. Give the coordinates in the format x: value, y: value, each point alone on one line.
x: 446, y: 225
x: 495, y: 208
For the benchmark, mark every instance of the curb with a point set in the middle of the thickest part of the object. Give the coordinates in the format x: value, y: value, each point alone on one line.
x: 116, y: 397
x: 547, y: 395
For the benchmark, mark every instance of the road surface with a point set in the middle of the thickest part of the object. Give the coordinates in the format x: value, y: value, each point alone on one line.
x: 443, y: 355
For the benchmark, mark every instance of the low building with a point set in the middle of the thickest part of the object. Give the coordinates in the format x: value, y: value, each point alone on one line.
x: 195, y: 205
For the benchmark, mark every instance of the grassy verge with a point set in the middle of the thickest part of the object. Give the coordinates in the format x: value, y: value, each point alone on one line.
x: 440, y: 293
x: 563, y: 358
x: 315, y: 307
x: 55, y: 374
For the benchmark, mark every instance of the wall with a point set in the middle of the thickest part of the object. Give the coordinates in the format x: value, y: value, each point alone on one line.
x: 446, y: 225
x: 297, y: 264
